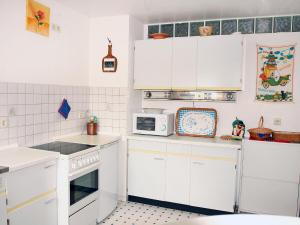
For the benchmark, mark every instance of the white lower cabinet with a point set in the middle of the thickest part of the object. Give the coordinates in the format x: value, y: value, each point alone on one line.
x: 146, y: 169
x: 178, y: 173
x: 193, y: 175
x: 213, y: 178
x: 2, y: 201
x: 31, y: 194
x: 269, y: 196
x: 39, y: 212
x: 270, y: 178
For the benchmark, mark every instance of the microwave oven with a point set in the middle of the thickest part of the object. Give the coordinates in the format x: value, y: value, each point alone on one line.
x: 153, y: 124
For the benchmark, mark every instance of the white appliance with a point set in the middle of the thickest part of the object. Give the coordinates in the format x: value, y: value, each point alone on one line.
x: 109, y: 179
x: 78, y: 182
x: 153, y: 124
x: 3, y: 216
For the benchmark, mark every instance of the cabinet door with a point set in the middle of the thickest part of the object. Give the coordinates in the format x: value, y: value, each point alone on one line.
x: 178, y: 173
x: 146, y: 169
x: 184, y: 64
x: 2, y: 207
x: 220, y: 61
x: 153, y: 64
x: 36, y: 213
x: 108, y: 177
x: 40, y: 179
x: 269, y: 197
x: 276, y: 161
x: 213, y: 178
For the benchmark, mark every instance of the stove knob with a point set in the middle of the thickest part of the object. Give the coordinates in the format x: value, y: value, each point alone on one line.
x: 88, y: 161
x: 148, y: 94
x: 80, y: 164
x: 73, y: 165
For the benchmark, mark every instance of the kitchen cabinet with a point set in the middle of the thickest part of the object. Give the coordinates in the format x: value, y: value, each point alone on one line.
x: 3, y: 216
x: 146, y: 169
x: 108, y: 177
x: 34, y: 200
x: 220, y: 62
x: 196, y: 175
x: 271, y: 184
x: 39, y: 212
x: 153, y: 64
x: 213, y: 178
x: 178, y: 173
x: 184, y: 63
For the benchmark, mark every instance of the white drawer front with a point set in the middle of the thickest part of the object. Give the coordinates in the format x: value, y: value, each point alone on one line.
x: 31, y: 182
x: 269, y: 197
x: 277, y: 161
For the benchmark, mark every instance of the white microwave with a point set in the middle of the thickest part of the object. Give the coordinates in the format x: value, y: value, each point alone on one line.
x: 153, y: 124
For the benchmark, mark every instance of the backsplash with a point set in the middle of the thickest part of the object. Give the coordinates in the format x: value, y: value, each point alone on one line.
x: 109, y: 104
x: 31, y: 112
x: 229, y: 26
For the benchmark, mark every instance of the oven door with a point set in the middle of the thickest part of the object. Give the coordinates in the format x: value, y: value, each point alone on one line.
x: 83, y: 188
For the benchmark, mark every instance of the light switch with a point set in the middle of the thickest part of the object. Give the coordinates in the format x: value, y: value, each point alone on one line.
x: 277, y: 121
x: 3, y: 122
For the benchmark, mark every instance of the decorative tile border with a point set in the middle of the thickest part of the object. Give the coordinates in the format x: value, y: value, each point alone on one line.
x: 229, y: 26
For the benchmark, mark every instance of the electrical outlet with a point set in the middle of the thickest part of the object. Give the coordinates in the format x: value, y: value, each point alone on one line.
x: 3, y: 122
x: 277, y: 121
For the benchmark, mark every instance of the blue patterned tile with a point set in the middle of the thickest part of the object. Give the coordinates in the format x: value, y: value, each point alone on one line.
x: 296, y: 24
x: 168, y: 29
x: 152, y: 29
x: 282, y: 24
x: 264, y: 25
x: 181, y: 29
x: 229, y: 26
x: 246, y: 26
x: 194, y: 28
x: 216, y: 26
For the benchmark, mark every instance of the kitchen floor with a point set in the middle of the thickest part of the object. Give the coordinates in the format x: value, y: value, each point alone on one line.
x: 133, y: 213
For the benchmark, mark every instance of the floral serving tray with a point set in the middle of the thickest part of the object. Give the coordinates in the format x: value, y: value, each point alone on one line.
x: 197, y: 122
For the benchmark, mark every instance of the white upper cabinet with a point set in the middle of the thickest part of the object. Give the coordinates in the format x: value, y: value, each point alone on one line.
x: 220, y: 62
x: 153, y: 64
x: 184, y: 76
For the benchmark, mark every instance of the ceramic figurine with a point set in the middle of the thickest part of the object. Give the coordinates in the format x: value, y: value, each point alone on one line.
x: 238, y: 131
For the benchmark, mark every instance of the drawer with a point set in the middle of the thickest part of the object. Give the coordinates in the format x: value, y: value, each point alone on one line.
x: 31, y: 182
x: 200, y: 153
x: 269, y: 197
x: 146, y: 147
x: 276, y: 161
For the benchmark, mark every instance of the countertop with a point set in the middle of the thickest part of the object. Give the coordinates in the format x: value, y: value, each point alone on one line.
x: 99, y: 140
x: 216, y: 141
x: 241, y: 219
x: 16, y: 158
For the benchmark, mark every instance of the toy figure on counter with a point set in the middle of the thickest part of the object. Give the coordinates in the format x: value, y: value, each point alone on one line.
x: 238, y: 131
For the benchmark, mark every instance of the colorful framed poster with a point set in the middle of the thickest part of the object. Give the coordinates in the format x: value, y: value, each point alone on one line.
x: 275, y: 71
x: 37, y: 18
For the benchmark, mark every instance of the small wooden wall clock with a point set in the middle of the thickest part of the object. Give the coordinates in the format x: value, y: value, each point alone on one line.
x: 109, y: 62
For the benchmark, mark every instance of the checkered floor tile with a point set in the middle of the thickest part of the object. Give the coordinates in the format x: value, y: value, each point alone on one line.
x: 132, y: 213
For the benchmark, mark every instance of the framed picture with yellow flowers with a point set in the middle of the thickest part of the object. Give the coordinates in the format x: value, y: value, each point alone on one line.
x: 37, y: 18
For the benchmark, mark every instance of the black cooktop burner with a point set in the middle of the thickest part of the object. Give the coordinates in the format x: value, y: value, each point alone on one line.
x: 64, y: 148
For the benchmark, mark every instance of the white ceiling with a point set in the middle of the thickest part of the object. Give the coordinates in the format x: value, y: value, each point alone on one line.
x: 152, y: 11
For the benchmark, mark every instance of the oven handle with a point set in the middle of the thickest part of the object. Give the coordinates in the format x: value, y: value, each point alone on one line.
x: 83, y: 171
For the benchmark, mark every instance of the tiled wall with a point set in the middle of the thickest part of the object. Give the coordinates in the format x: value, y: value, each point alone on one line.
x: 110, y: 106
x: 229, y: 26
x: 31, y: 111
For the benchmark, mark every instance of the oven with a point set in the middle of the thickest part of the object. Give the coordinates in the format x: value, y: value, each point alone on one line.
x: 84, y: 185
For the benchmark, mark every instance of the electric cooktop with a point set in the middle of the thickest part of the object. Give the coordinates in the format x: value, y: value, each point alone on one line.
x: 64, y: 148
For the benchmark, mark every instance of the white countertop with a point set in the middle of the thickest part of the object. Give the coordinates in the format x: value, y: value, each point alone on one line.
x: 99, y: 140
x: 216, y: 141
x: 17, y: 158
x: 241, y: 219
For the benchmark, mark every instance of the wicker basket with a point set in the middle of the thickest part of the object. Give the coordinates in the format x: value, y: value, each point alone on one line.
x: 285, y: 136
x: 260, y: 133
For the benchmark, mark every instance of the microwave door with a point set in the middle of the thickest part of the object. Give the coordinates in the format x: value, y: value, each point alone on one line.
x: 146, y: 123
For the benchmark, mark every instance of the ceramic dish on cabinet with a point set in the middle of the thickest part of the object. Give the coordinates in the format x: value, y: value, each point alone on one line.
x: 196, y: 122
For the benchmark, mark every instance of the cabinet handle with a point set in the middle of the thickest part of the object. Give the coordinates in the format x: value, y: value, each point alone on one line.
x: 198, y: 163
x: 50, y: 201
x: 49, y: 166
x: 158, y: 158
